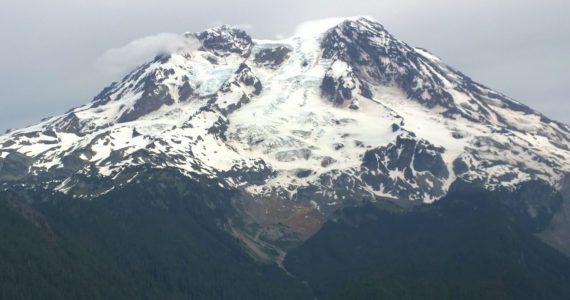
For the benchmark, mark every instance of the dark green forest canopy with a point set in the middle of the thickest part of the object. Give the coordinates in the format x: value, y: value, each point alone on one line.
x: 472, y: 244
x: 145, y: 241
x: 165, y: 237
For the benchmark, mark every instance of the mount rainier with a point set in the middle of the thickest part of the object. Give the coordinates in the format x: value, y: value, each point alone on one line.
x: 299, y: 127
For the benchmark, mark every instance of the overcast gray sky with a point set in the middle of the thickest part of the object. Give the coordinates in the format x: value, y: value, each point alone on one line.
x: 55, y: 55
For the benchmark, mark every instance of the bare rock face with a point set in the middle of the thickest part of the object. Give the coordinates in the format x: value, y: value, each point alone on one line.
x: 337, y: 89
x: 153, y: 98
x: 238, y: 90
x: 420, y: 163
x: 224, y: 40
x: 557, y: 232
x: 186, y: 91
x: 70, y: 124
x: 14, y: 166
x: 272, y: 57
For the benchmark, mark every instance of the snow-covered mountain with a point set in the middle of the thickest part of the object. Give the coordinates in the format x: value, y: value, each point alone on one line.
x: 298, y: 126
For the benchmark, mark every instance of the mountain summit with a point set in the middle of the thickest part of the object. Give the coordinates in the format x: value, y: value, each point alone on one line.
x: 298, y: 126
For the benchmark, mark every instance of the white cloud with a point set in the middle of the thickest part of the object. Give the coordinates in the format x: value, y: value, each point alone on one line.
x: 244, y: 26
x: 315, y: 27
x: 118, y: 61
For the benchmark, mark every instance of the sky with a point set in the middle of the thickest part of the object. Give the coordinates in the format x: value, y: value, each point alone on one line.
x: 58, y: 54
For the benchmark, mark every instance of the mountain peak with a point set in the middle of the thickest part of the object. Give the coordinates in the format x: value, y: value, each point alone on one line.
x: 362, y: 22
x: 318, y: 27
x: 226, y: 39
x: 342, y: 109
